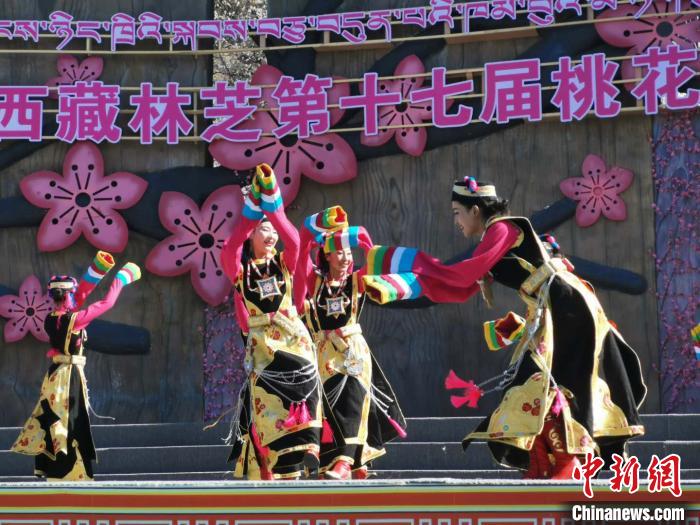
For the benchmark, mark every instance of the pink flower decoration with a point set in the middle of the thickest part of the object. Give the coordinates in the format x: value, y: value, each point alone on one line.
x: 639, y: 34
x: 598, y: 191
x: 326, y: 158
x: 83, y: 200
x: 410, y: 139
x: 71, y: 71
x: 26, y: 312
x: 198, y: 236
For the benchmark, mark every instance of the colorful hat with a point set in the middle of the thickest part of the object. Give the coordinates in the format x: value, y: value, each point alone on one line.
x: 469, y: 187
x: 326, y: 221
x: 63, y: 282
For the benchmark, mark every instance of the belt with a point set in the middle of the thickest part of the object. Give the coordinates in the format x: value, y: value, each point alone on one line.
x: 337, y: 337
x: 290, y: 323
x: 78, y: 360
x: 542, y: 274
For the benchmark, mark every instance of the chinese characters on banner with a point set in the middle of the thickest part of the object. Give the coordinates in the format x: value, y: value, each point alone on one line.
x: 126, y: 30
x: 510, y: 90
x: 662, y: 474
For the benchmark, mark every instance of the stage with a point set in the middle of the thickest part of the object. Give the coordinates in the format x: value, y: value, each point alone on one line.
x: 408, y: 502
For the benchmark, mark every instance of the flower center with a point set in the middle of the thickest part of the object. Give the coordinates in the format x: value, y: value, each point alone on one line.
x: 664, y: 29
x: 29, y: 311
x: 83, y: 199
x: 288, y: 141
x: 401, y: 108
x: 598, y: 191
x: 206, y: 240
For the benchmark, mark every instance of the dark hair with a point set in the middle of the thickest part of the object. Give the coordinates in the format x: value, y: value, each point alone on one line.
x: 58, y: 294
x: 489, y: 206
x: 322, y: 265
x: 247, y: 253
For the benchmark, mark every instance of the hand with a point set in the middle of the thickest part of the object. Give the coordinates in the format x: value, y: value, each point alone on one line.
x: 129, y: 273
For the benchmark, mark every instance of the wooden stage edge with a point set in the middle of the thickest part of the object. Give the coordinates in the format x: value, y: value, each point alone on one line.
x: 386, y: 502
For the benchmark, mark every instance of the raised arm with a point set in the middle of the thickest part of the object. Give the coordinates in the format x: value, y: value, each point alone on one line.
x: 304, y: 274
x: 127, y: 275
x: 404, y: 273
x: 233, y: 246
x: 101, y: 264
x: 265, y: 184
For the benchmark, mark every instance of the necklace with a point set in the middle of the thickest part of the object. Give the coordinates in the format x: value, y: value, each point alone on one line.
x: 268, y: 286
x: 336, y: 302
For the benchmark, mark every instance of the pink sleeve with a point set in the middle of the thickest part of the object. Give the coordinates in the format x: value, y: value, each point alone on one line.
x: 84, y: 317
x: 233, y: 247
x: 457, y: 282
x: 304, y: 275
x: 366, y: 245
x: 289, y: 235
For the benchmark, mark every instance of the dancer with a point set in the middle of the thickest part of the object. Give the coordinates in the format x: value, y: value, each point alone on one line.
x: 365, y: 412
x: 574, y: 385
x: 58, y: 431
x: 276, y: 427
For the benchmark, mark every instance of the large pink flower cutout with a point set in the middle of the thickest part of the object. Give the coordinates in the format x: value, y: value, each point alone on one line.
x: 638, y: 34
x: 197, y: 240
x: 410, y: 139
x: 26, y: 312
x: 326, y: 158
x: 83, y: 200
x: 71, y: 71
x: 597, y: 191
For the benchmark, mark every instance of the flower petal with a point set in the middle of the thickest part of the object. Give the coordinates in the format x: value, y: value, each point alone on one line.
x: 13, y: 331
x: 90, y: 69
x: 411, y: 65
x: 412, y: 140
x: 570, y: 187
x: 173, y: 208
x: 38, y: 185
x: 332, y: 161
x: 56, y: 232
x: 615, y: 210
x: 8, y: 306
x: 379, y: 139
x: 587, y: 214
x: 67, y: 65
x: 267, y: 75
x: 106, y: 231
x: 162, y: 260
x: 622, y: 178
x: 119, y: 190
x: 593, y: 167
x: 211, y: 286
x: 247, y: 155
x: 81, y: 159
x: 624, y: 33
x: 31, y: 287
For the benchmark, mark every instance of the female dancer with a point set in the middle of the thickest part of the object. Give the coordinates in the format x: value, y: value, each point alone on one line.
x: 276, y: 429
x: 574, y: 386
x: 365, y: 413
x: 58, y: 431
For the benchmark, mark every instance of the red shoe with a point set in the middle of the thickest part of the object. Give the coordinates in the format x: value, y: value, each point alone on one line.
x: 341, y: 470
x: 540, y: 465
x: 360, y: 473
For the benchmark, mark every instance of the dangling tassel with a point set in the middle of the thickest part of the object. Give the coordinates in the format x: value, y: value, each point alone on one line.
x: 559, y: 403
x: 399, y: 430
x: 453, y: 381
x: 326, y: 433
x: 303, y: 415
x: 472, y: 394
x: 291, y: 420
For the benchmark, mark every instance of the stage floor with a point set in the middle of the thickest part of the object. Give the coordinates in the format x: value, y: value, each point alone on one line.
x: 372, y: 502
